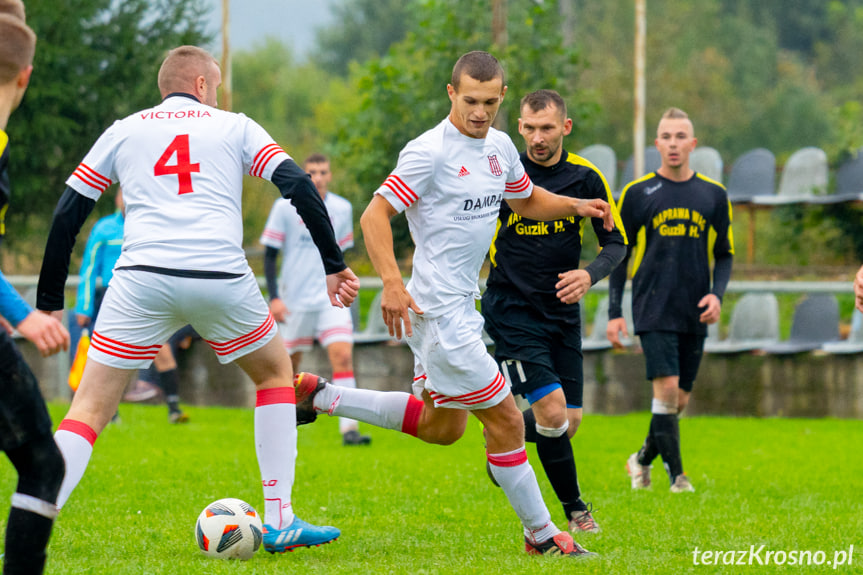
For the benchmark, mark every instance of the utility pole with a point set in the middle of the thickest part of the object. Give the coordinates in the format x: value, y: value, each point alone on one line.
x: 227, y: 96
x: 639, y: 99
x: 567, y: 22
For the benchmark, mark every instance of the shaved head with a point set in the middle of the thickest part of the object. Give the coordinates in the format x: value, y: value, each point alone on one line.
x: 17, y: 46
x: 182, y: 66
x: 13, y: 8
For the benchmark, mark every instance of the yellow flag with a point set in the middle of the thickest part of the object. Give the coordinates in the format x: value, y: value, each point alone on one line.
x: 80, y: 359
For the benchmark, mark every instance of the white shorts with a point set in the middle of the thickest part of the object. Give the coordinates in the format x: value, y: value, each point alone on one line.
x: 452, y: 362
x: 141, y: 310
x: 329, y: 325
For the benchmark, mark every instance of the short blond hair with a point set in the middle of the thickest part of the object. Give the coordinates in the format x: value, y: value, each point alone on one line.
x: 17, y: 47
x: 674, y: 114
x: 181, y: 66
x: 14, y: 8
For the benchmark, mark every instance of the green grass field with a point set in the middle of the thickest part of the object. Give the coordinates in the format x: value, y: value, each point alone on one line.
x: 407, y: 507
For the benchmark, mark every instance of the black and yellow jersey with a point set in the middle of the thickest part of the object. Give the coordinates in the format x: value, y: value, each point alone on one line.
x: 5, y: 192
x: 527, y: 255
x: 672, y: 228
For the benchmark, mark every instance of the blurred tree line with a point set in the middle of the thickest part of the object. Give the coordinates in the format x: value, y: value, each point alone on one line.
x: 780, y: 74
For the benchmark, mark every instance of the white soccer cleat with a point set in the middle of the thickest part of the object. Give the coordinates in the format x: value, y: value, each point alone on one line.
x: 681, y: 484
x: 639, y: 475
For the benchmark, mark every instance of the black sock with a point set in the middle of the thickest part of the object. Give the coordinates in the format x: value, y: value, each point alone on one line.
x: 648, y: 451
x: 557, y: 459
x: 665, y: 430
x: 27, y: 536
x: 169, y: 381
x: 530, y: 433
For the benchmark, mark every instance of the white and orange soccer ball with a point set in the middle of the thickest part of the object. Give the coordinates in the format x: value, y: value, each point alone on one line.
x: 229, y: 529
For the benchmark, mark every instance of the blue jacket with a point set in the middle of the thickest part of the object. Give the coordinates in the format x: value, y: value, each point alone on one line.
x: 101, y: 253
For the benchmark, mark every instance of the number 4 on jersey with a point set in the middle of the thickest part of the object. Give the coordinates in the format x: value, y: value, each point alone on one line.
x: 183, y: 167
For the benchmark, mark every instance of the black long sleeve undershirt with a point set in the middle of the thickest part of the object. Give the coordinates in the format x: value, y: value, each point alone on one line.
x: 271, y: 256
x: 296, y: 186
x: 606, y: 261
x: 69, y: 215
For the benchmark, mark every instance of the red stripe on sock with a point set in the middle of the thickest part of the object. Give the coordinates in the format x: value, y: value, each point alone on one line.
x: 413, y: 410
x: 342, y: 374
x: 79, y: 428
x: 275, y: 395
x: 508, y: 460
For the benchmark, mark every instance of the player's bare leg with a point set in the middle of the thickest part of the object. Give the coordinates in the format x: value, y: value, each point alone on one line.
x: 269, y: 367
x: 93, y: 406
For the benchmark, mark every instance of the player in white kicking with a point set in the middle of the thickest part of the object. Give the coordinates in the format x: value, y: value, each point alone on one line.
x: 450, y: 182
x: 298, y: 300
x: 181, y: 165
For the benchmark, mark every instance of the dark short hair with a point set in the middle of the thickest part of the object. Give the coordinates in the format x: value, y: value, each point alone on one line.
x: 316, y: 159
x: 542, y: 99
x: 480, y: 66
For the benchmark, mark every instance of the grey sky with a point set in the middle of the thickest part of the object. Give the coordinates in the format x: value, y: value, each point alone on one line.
x: 293, y: 22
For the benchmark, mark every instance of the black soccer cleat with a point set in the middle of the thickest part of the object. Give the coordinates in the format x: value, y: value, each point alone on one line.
x: 353, y: 437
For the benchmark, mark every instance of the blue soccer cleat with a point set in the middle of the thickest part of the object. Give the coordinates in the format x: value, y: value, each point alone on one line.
x: 297, y: 534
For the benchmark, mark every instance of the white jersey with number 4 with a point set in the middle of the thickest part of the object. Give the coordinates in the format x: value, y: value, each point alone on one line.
x: 303, y: 281
x: 181, y: 167
x: 450, y: 187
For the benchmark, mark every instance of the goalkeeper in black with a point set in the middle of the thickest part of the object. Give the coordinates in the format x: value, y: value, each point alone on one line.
x: 674, y: 219
x: 531, y: 305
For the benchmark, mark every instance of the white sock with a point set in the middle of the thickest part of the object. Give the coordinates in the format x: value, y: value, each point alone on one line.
x: 345, y: 379
x: 75, y: 440
x: 276, y: 448
x: 516, y: 477
x: 388, y: 409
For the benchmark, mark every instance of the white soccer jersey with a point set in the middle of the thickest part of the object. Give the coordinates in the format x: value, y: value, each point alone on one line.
x: 302, y: 282
x: 450, y: 187
x: 181, y: 167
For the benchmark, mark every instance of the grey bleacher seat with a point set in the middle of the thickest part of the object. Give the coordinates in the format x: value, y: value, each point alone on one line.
x: 752, y: 174
x: 849, y: 179
x: 652, y: 161
x: 376, y: 330
x: 804, y: 177
x: 597, y: 339
x: 815, y: 322
x: 754, y: 324
x: 707, y: 161
x: 604, y: 158
x: 854, y: 343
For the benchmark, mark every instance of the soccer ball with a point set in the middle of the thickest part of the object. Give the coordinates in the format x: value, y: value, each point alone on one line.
x: 229, y: 529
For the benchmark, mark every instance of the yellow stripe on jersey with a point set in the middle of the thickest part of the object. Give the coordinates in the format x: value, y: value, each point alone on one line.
x: 711, y: 234
x: 618, y: 223
x: 641, y: 236
x: 492, y: 250
x: 4, y: 139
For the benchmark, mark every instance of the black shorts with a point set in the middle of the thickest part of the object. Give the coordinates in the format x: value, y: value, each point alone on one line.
x: 668, y: 353
x: 23, y: 415
x: 548, y: 351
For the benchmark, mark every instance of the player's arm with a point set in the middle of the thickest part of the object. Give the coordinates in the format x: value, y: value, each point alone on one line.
x: 723, y: 257
x: 378, y: 235
x: 574, y: 284
x: 542, y: 205
x: 617, y: 279
x: 277, y: 306
x: 294, y: 184
x: 69, y: 215
x: 46, y: 332
x: 858, y: 290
